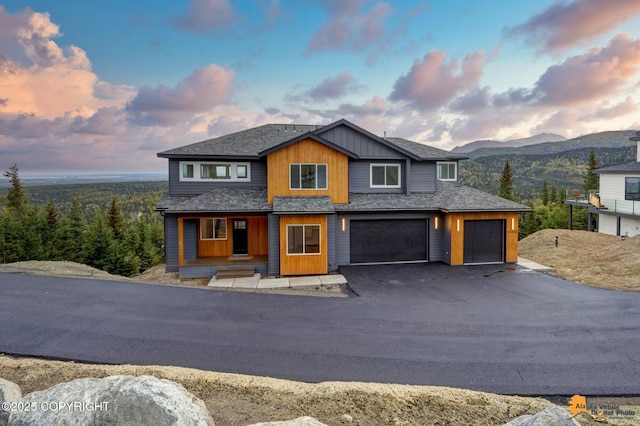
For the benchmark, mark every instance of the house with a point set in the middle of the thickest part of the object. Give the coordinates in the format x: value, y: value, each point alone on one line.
x: 618, y: 203
x: 305, y: 199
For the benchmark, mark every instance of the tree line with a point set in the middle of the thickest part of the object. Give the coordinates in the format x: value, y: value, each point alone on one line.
x: 102, y: 237
x: 548, y: 210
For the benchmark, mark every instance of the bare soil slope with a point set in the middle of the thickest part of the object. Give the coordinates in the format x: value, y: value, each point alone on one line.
x: 590, y: 258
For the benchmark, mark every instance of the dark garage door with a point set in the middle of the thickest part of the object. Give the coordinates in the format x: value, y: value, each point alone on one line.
x: 388, y: 240
x: 483, y: 241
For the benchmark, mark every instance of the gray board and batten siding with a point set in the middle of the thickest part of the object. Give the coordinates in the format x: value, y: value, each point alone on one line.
x: 361, y: 145
x: 171, y: 242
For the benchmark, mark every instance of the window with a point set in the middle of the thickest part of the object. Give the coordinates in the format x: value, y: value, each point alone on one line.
x: 187, y: 171
x: 206, y: 171
x: 447, y: 171
x: 308, y: 176
x: 632, y: 189
x: 303, y: 239
x: 213, y: 229
x: 385, y: 175
x: 215, y: 171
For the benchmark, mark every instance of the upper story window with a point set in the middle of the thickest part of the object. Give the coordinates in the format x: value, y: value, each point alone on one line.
x: 448, y: 171
x: 632, y: 188
x: 215, y: 171
x: 385, y: 175
x: 205, y: 171
x: 308, y: 176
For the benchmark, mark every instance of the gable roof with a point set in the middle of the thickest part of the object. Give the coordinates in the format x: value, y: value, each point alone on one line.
x: 259, y: 141
x: 308, y: 135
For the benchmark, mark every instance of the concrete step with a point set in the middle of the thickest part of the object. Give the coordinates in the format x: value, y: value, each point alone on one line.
x: 235, y: 272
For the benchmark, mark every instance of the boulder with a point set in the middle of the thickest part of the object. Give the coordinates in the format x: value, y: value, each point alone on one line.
x: 9, y: 394
x: 300, y: 421
x: 121, y: 400
x: 550, y: 416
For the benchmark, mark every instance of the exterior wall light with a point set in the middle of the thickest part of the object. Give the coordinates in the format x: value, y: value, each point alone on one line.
x: 343, y: 224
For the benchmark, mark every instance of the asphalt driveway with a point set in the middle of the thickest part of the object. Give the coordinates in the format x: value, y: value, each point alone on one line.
x: 496, y: 328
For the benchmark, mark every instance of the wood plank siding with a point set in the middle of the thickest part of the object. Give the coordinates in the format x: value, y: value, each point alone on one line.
x: 304, y: 264
x: 454, y: 224
x: 258, y: 241
x: 308, y: 151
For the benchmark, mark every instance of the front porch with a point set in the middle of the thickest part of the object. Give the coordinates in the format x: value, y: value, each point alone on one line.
x: 207, y: 266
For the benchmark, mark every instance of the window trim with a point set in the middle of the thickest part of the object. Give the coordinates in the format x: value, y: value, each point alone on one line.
x: 326, y: 175
x: 385, y: 165
x: 304, y: 226
x: 448, y: 163
x: 214, y: 219
x: 232, y: 168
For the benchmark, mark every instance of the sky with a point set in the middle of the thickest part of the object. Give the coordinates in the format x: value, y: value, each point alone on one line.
x: 102, y: 86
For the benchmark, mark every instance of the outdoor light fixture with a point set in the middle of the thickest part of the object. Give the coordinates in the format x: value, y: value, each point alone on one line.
x: 513, y: 224
x: 458, y: 225
x: 344, y: 224
x: 435, y: 222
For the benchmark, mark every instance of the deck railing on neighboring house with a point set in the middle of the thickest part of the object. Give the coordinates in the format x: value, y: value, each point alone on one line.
x: 621, y: 206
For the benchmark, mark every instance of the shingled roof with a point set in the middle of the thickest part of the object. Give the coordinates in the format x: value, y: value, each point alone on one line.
x: 254, y: 143
x: 620, y: 168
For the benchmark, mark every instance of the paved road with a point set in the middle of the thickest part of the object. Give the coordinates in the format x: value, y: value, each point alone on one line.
x: 491, y: 328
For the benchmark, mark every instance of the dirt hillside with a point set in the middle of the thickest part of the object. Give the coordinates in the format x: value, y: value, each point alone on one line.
x: 590, y: 258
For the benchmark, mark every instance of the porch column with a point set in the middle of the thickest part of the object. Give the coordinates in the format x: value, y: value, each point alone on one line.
x: 180, y: 242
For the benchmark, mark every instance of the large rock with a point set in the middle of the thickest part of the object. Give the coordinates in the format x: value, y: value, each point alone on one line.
x: 300, y: 421
x: 9, y: 394
x: 117, y: 400
x: 550, y: 416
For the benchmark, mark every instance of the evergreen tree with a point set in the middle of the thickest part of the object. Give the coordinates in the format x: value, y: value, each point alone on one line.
x: 554, y: 194
x: 49, y: 232
x: 545, y: 193
x: 563, y: 195
x: 506, y: 183
x: 99, y: 248
x: 16, y: 196
x: 115, y: 220
x: 71, y: 234
x: 591, y: 180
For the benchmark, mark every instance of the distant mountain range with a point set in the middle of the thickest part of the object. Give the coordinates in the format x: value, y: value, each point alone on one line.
x: 513, y: 143
x: 561, y: 163
x: 610, y: 139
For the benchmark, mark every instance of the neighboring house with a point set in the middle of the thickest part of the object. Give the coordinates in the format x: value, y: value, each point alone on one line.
x: 305, y: 199
x: 618, y: 204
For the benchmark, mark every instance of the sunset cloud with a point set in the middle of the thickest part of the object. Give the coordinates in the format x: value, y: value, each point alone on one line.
x: 204, y: 89
x: 563, y: 25
x: 348, y: 26
x: 433, y: 82
x: 334, y: 87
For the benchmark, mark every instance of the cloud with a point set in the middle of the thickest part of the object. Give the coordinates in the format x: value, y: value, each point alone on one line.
x: 564, y: 25
x: 41, y: 78
x: 334, y: 87
x: 607, y: 111
x: 599, y: 73
x: 204, y: 89
x: 432, y: 83
x: 205, y: 15
x: 348, y: 26
x: 106, y: 121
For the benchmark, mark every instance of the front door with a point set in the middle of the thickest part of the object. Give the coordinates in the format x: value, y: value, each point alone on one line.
x: 240, y: 237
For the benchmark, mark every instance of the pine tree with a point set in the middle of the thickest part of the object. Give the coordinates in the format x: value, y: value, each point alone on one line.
x: 99, y: 248
x: 71, y: 234
x: 591, y: 180
x: 545, y: 193
x: 554, y: 194
x: 115, y: 220
x: 16, y: 196
x: 506, y: 183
